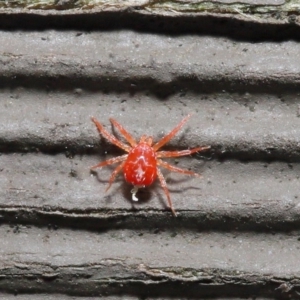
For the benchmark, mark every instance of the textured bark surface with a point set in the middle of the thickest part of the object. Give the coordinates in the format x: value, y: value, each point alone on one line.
x: 148, y: 65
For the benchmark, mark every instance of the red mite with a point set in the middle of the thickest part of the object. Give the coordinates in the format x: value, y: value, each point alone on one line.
x: 140, y: 165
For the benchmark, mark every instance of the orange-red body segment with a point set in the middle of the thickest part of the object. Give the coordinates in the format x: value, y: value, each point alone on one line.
x: 140, y: 166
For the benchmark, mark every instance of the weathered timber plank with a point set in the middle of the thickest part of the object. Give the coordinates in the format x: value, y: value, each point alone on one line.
x: 44, y: 189
x: 147, y: 263
x: 244, y: 95
x: 255, y: 11
x: 237, y: 230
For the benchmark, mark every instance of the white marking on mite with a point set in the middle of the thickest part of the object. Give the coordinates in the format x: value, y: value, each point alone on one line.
x: 139, y: 172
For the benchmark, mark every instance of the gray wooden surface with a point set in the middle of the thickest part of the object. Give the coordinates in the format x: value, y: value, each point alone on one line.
x: 237, y: 231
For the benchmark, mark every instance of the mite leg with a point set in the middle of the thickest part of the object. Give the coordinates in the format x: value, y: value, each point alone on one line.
x: 124, y: 132
x: 175, y: 169
x: 164, y: 186
x: 165, y: 139
x: 114, y: 174
x: 110, y: 161
x: 109, y: 136
x: 180, y: 153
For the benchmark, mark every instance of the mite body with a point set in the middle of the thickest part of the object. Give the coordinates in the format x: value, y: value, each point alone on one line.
x: 141, y: 165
